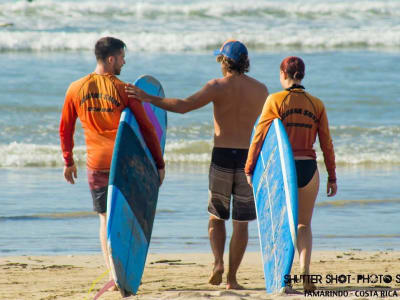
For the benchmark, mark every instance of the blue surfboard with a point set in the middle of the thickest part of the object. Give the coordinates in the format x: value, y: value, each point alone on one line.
x: 275, y: 194
x: 133, y: 193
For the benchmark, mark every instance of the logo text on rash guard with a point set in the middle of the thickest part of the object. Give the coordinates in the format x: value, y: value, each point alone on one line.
x: 299, y: 111
x: 99, y: 109
x: 100, y: 96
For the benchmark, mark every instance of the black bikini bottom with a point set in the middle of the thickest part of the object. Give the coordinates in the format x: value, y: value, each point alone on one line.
x: 305, y: 170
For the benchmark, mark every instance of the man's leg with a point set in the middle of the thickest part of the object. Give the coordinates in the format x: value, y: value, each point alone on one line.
x: 104, y: 248
x: 103, y: 239
x: 98, y: 182
x: 237, y: 248
x: 243, y: 211
x: 220, y: 188
x: 217, y: 235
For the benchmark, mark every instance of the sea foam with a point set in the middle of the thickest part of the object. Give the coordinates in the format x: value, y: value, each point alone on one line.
x: 193, y: 26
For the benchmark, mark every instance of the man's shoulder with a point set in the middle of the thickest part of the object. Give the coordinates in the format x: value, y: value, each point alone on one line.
x: 115, y: 79
x: 227, y: 81
x: 255, y: 81
x: 81, y: 80
x: 252, y: 84
x: 215, y: 82
x: 97, y: 79
x: 77, y: 84
x: 213, y: 86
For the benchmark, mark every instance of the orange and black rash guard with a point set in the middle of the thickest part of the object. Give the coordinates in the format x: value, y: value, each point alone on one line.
x: 98, y: 101
x: 303, y: 116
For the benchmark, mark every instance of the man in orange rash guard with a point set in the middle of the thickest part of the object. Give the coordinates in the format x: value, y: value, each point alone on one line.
x: 98, y: 100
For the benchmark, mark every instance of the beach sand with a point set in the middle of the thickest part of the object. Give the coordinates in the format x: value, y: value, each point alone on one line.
x: 184, y: 276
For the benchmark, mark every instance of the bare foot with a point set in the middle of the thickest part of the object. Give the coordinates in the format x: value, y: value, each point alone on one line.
x: 234, y: 286
x: 109, y: 286
x: 216, y: 276
x: 309, y: 286
x: 288, y: 290
x: 113, y: 288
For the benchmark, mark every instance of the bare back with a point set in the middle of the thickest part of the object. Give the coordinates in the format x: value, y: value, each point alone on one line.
x: 238, y: 103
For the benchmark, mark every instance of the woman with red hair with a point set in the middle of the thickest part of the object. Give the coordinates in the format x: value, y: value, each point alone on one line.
x: 304, y: 117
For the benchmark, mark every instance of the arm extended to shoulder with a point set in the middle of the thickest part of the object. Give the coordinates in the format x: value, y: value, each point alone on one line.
x: 195, y: 101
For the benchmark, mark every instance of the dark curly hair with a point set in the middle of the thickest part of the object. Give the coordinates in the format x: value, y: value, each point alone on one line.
x: 241, y: 67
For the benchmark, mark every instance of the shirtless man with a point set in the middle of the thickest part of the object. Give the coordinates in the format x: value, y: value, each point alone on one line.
x: 98, y: 100
x: 237, y: 100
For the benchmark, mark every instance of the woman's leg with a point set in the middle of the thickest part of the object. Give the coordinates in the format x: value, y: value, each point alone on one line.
x: 306, y: 200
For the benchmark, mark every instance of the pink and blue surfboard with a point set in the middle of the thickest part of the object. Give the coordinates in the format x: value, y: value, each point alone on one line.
x: 133, y: 193
x: 275, y: 194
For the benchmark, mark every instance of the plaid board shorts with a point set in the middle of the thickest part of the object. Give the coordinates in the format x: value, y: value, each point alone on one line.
x: 227, y: 180
x: 98, y: 184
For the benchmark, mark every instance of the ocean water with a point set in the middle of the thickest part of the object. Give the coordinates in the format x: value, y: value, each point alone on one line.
x: 351, y: 50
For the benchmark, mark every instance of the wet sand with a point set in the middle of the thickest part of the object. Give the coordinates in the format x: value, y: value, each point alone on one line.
x: 184, y: 276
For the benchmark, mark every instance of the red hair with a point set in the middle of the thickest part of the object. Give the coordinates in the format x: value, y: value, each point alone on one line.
x: 293, y: 67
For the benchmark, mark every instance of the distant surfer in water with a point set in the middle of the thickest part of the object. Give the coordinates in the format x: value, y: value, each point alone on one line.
x: 237, y: 100
x: 304, y: 116
x: 98, y: 100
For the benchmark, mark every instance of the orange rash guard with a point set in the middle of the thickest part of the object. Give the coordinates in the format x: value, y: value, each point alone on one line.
x: 303, y: 116
x: 98, y: 101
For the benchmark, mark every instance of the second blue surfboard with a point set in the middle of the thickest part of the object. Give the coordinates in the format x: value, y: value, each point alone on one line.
x: 133, y: 193
x: 275, y: 193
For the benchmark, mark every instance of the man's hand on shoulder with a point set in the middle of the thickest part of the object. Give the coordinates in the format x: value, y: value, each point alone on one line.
x: 161, y: 173
x: 137, y: 93
x: 70, y: 173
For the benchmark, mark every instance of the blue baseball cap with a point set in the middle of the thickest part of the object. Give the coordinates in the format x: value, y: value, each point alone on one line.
x: 232, y: 49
